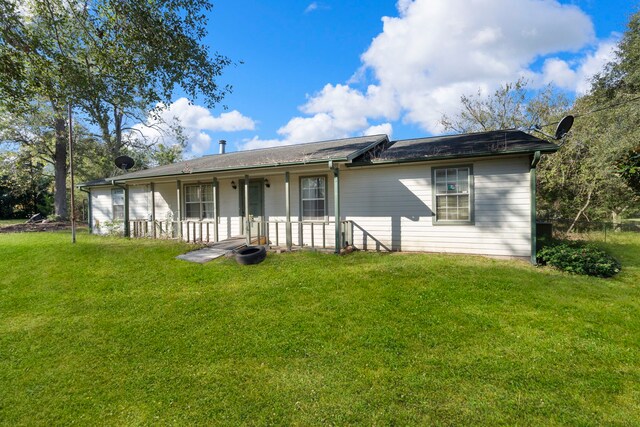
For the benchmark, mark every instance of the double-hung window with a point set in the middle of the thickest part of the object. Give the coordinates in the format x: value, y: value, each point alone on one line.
x: 198, y: 201
x: 453, y: 195
x: 313, y: 198
x: 117, y: 202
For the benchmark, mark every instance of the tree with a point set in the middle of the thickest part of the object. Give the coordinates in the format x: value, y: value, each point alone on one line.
x: 511, y: 106
x: 113, y: 59
x: 608, y: 134
x: 25, y: 187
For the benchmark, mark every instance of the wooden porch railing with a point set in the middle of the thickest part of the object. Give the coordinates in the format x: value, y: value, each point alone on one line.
x: 313, y: 234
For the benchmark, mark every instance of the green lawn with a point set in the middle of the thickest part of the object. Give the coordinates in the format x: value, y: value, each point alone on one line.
x: 118, y: 332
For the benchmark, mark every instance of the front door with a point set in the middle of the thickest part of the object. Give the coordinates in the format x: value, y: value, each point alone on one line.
x: 256, y: 205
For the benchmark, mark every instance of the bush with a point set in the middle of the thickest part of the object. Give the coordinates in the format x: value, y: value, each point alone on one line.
x: 579, y: 258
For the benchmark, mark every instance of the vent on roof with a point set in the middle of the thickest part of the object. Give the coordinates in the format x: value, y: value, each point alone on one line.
x: 222, y: 143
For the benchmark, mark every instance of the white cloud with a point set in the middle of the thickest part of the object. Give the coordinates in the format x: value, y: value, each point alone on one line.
x: 196, y: 121
x: 578, y: 78
x: 312, y: 6
x: 381, y: 129
x: 435, y: 51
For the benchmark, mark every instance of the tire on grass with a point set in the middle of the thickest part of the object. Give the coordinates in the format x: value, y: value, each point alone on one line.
x: 251, y: 255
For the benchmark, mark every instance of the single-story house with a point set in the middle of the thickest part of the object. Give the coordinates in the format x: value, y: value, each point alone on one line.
x: 472, y: 193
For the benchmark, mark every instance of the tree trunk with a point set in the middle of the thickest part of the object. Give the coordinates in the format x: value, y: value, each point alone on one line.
x: 117, y: 121
x: 586, y: 205
x: 60, y: 167
x: 616, y: 219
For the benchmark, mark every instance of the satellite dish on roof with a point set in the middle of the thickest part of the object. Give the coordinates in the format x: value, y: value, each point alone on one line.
x: 564, y: 126
x: 124, y: 162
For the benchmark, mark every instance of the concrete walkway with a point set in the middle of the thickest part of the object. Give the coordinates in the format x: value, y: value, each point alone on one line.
x: 215, y: 250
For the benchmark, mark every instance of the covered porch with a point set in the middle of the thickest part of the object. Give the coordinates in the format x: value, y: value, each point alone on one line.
x: 297, y: 208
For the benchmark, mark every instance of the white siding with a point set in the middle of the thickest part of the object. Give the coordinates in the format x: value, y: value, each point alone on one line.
x: 101, y: 209
x: 165, y: 196
x: 390, y: 206
x: 139, y: 202
x: 392, y: 209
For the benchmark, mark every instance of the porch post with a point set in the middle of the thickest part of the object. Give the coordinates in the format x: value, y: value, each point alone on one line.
x: 532, y: 177
x: 247, y: 225
x: 216, y: 190
x: 127, y: 232
x: 287, y: 198
x: 179, y: 209
x: 336, y: 207
x: 153, y: 209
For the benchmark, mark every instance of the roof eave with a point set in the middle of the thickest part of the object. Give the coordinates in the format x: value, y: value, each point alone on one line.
x: 453, y: 156
x: 221, y: 170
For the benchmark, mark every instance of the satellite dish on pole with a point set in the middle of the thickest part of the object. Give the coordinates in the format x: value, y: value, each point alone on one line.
x: 124, y: 162
x: 563, y: 127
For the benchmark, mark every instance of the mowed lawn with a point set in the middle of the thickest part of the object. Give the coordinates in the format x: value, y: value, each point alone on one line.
x: 118, y: 332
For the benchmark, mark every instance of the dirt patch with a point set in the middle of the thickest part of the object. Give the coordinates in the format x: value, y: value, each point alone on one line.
x: 32, y: 227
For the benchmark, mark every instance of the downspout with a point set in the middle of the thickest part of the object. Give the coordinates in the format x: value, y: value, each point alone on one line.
x: 90, y: 215
x: 532, y: 177
x: 126, y: 207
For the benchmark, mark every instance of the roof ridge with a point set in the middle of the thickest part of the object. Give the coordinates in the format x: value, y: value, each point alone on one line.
x: 454, y: 135
x: 299, y: 143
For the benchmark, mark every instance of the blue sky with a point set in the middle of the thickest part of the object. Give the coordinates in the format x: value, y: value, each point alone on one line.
x: 325, y: 69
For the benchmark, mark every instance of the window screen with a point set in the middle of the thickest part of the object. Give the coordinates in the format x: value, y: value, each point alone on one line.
x: 453, y: 194
x: 313, y: 198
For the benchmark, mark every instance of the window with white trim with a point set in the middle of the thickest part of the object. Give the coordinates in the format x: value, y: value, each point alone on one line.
x: 313, y: 198
x: 198, y: 201
x: 117, y: 202
x: 452, y: 187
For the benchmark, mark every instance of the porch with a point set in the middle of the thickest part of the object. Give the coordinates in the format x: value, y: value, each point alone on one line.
x: 258, y: 208
x: 276, y: 234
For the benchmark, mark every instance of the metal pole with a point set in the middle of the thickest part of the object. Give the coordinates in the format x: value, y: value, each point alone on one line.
x: 336, y: 208
x: 73, y: 205
x: 287, y: 196
x: 247, y: 225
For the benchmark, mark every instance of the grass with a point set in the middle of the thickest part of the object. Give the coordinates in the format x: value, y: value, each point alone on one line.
x: 118, y: 332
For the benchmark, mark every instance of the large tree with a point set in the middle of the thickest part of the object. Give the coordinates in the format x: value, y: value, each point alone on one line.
x: 112, y: 59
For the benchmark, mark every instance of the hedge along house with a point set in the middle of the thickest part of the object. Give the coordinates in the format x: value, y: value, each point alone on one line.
x: 471, y: 193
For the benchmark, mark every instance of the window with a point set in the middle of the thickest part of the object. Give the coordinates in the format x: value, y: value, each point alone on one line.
x: 313, y: 198
x: 452, y: 188
x: 117, y: 200
x: 198, y: 201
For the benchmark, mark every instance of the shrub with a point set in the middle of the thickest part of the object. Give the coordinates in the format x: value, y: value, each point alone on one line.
x: 114, y: 227
x: 579, y: 258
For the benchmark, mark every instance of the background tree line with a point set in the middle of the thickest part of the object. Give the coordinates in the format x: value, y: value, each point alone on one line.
x: 116, y: 63
x: 595, y: 175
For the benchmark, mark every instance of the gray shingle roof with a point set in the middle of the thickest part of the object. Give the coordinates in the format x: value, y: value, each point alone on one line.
x: 323, y: 151
x: 359, y: 150
x: 465, y: 145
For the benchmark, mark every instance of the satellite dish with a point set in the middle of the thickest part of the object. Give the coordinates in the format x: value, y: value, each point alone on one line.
x: 563, y: 127
x: 124, y: 162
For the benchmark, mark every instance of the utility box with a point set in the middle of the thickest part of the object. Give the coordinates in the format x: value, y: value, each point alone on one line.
x: 544, y: 234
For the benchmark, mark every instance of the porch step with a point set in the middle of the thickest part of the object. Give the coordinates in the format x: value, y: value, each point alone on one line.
x: 213, y: 251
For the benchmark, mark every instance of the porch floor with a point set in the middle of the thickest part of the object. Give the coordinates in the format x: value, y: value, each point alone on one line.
x: 214, y: 250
